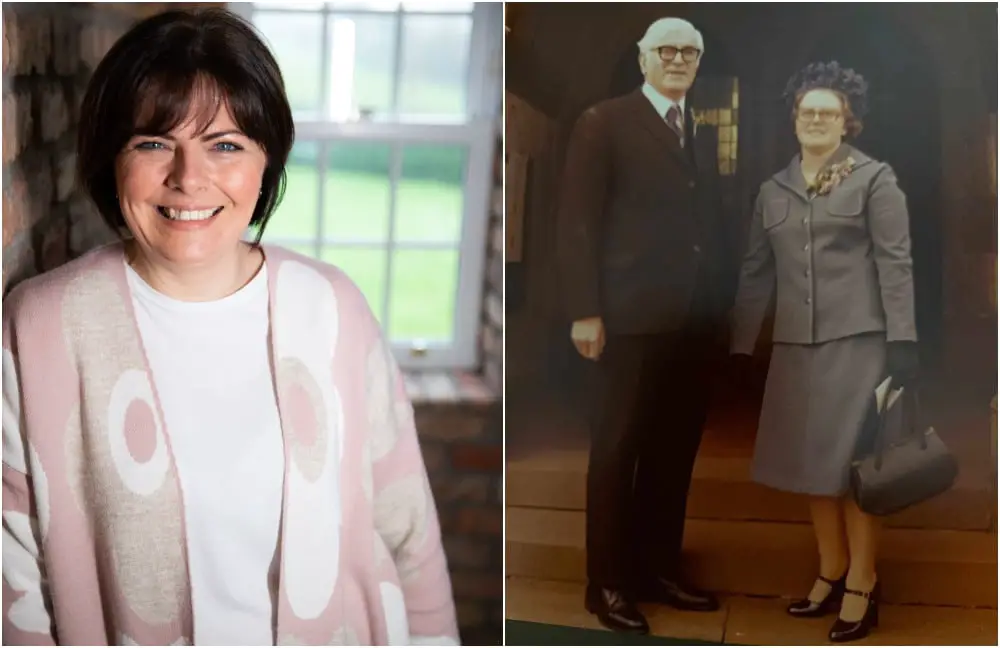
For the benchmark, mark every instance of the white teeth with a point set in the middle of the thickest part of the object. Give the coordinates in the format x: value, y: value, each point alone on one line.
x: 185, y: 215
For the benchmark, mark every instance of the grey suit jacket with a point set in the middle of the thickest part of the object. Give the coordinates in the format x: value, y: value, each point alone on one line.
x: 840, y: 263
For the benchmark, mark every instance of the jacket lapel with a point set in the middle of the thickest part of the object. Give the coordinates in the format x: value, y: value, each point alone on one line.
x: 792, y: 179
x: 647, y: 116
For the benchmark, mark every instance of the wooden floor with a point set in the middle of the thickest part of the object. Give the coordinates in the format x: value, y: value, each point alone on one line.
x: 751, y: 544
x: 757, y: 621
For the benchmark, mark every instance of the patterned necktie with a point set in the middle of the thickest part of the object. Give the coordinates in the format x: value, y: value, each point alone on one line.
x: 675, y: 124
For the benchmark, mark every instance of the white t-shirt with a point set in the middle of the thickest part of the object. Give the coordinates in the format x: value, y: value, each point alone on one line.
x: 211, y: 368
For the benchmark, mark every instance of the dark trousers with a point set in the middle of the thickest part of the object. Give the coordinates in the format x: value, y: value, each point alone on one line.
x: 650, y: 398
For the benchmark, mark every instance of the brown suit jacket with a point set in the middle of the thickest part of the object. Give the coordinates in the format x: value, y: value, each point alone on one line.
x: 639, y: 218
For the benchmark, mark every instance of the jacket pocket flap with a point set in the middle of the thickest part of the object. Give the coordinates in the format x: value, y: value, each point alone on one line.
x: 775, y: 212
x: 846, y: 204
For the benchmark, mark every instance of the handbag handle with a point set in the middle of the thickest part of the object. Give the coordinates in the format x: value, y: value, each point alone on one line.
x: 911, y: 414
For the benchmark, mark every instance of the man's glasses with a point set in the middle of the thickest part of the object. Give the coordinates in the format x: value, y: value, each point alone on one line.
x: 668, y: 53
x: 825, y: 116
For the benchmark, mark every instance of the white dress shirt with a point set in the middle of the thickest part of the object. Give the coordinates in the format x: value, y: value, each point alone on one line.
x: 663, y: 104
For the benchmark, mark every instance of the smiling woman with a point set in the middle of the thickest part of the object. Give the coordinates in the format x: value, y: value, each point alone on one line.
x: 206, y: 440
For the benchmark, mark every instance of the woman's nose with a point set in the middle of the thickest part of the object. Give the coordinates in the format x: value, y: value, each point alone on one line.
x: 188, y: 172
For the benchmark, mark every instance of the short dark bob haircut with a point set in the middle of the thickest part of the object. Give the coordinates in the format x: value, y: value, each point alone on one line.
x: 147, y: 81
x: 848, y: 85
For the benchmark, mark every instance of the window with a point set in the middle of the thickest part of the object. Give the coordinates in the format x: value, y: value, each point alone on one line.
x: 396, y: 107
x: 723, y: 94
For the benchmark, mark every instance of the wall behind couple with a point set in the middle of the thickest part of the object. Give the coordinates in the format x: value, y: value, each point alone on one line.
x: 933, y: 72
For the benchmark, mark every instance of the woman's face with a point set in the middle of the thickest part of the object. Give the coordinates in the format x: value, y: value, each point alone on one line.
x: 188, y: 197
x: 819, y: 120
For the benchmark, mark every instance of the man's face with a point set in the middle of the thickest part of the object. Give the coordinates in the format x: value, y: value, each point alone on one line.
x: 672, y: 65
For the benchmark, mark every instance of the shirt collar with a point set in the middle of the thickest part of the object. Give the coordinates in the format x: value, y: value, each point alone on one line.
x: 660, y: 103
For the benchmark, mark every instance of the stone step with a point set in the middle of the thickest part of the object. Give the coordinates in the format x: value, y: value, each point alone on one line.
x: 755, y: 621
x: 917, y: 566
x: 721, y: 489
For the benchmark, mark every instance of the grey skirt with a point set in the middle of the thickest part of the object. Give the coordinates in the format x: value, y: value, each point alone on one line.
x: 817, y: 413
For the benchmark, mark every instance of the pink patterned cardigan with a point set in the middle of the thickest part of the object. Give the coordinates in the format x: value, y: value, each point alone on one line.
x: 94, y: 542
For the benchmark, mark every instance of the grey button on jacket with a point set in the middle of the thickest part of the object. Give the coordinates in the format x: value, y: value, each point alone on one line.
x: 838, y: 264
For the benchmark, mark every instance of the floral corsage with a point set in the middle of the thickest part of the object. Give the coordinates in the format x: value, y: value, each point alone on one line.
x: 831, y: 177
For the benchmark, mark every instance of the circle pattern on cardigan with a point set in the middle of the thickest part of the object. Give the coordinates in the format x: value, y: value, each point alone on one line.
x: 307, y: 417
x: 401, y: 508
x: 306, y: 328
x: 394, y: 608
x: 141, y: 477
x: 140, y: 431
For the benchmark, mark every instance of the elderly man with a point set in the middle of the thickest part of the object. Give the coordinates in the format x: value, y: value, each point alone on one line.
x: 648, y: 269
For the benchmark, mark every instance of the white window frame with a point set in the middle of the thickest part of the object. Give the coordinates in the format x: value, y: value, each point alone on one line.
x: 477, y: 133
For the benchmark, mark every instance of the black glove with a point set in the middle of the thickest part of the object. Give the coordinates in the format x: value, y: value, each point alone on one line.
x: 902, y: 363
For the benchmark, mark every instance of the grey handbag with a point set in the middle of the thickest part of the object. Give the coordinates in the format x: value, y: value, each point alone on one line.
x: 908, y: 465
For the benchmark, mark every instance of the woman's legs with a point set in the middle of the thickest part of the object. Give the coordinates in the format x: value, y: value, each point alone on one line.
x: 831, y: 538
x: 862, y: 539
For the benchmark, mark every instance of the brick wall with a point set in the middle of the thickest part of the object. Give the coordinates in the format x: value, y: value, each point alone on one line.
x: 49, y: 52
x: 462, y: 444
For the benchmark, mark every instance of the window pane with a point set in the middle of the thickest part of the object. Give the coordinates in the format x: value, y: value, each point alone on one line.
x: 356, y: 203
x: 309, y: 6
x: 424, y: 286
x: 366, y: 268
x: 361, y: 59
x: 308, y: 250
x: 430, y: 195
x: 437, y: 5
x: 434, y: 71
x: 366, y: 5
x: 296, y: 40
x: 298, y: 214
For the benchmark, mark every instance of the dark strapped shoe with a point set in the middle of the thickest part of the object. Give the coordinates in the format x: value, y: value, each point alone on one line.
x: 844, y: 631
x: 807, y: 608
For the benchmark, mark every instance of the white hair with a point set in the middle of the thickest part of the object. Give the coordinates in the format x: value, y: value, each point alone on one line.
x: 655, y: 33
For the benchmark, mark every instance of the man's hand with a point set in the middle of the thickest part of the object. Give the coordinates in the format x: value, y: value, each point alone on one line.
x: 588, y: 337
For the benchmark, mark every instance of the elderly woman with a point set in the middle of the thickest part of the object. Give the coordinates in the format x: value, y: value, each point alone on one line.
x: 830, y: 235
x: 205, y: 440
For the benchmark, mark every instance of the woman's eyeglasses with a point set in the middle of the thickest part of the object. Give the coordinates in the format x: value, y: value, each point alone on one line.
x: 807, y: 115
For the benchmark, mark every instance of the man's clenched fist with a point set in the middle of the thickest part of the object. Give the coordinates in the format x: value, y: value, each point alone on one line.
x: 588, y: 337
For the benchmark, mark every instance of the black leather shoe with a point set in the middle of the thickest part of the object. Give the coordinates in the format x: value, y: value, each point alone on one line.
x: 844, y: 631
x: 615, y: 610
x: 809, y: 608
x: 678, y: 595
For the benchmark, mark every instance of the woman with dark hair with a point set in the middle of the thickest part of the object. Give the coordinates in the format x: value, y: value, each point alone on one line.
x: 206, y: 440
x: 830, y: 236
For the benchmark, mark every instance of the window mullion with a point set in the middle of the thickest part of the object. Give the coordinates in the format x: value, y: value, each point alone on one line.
x: 324, y: 65
x: 397, y: 63
x: 395, y: 172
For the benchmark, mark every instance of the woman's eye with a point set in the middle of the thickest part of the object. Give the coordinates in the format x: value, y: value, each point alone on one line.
x: 149, y: 146
x: 228, y: 147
